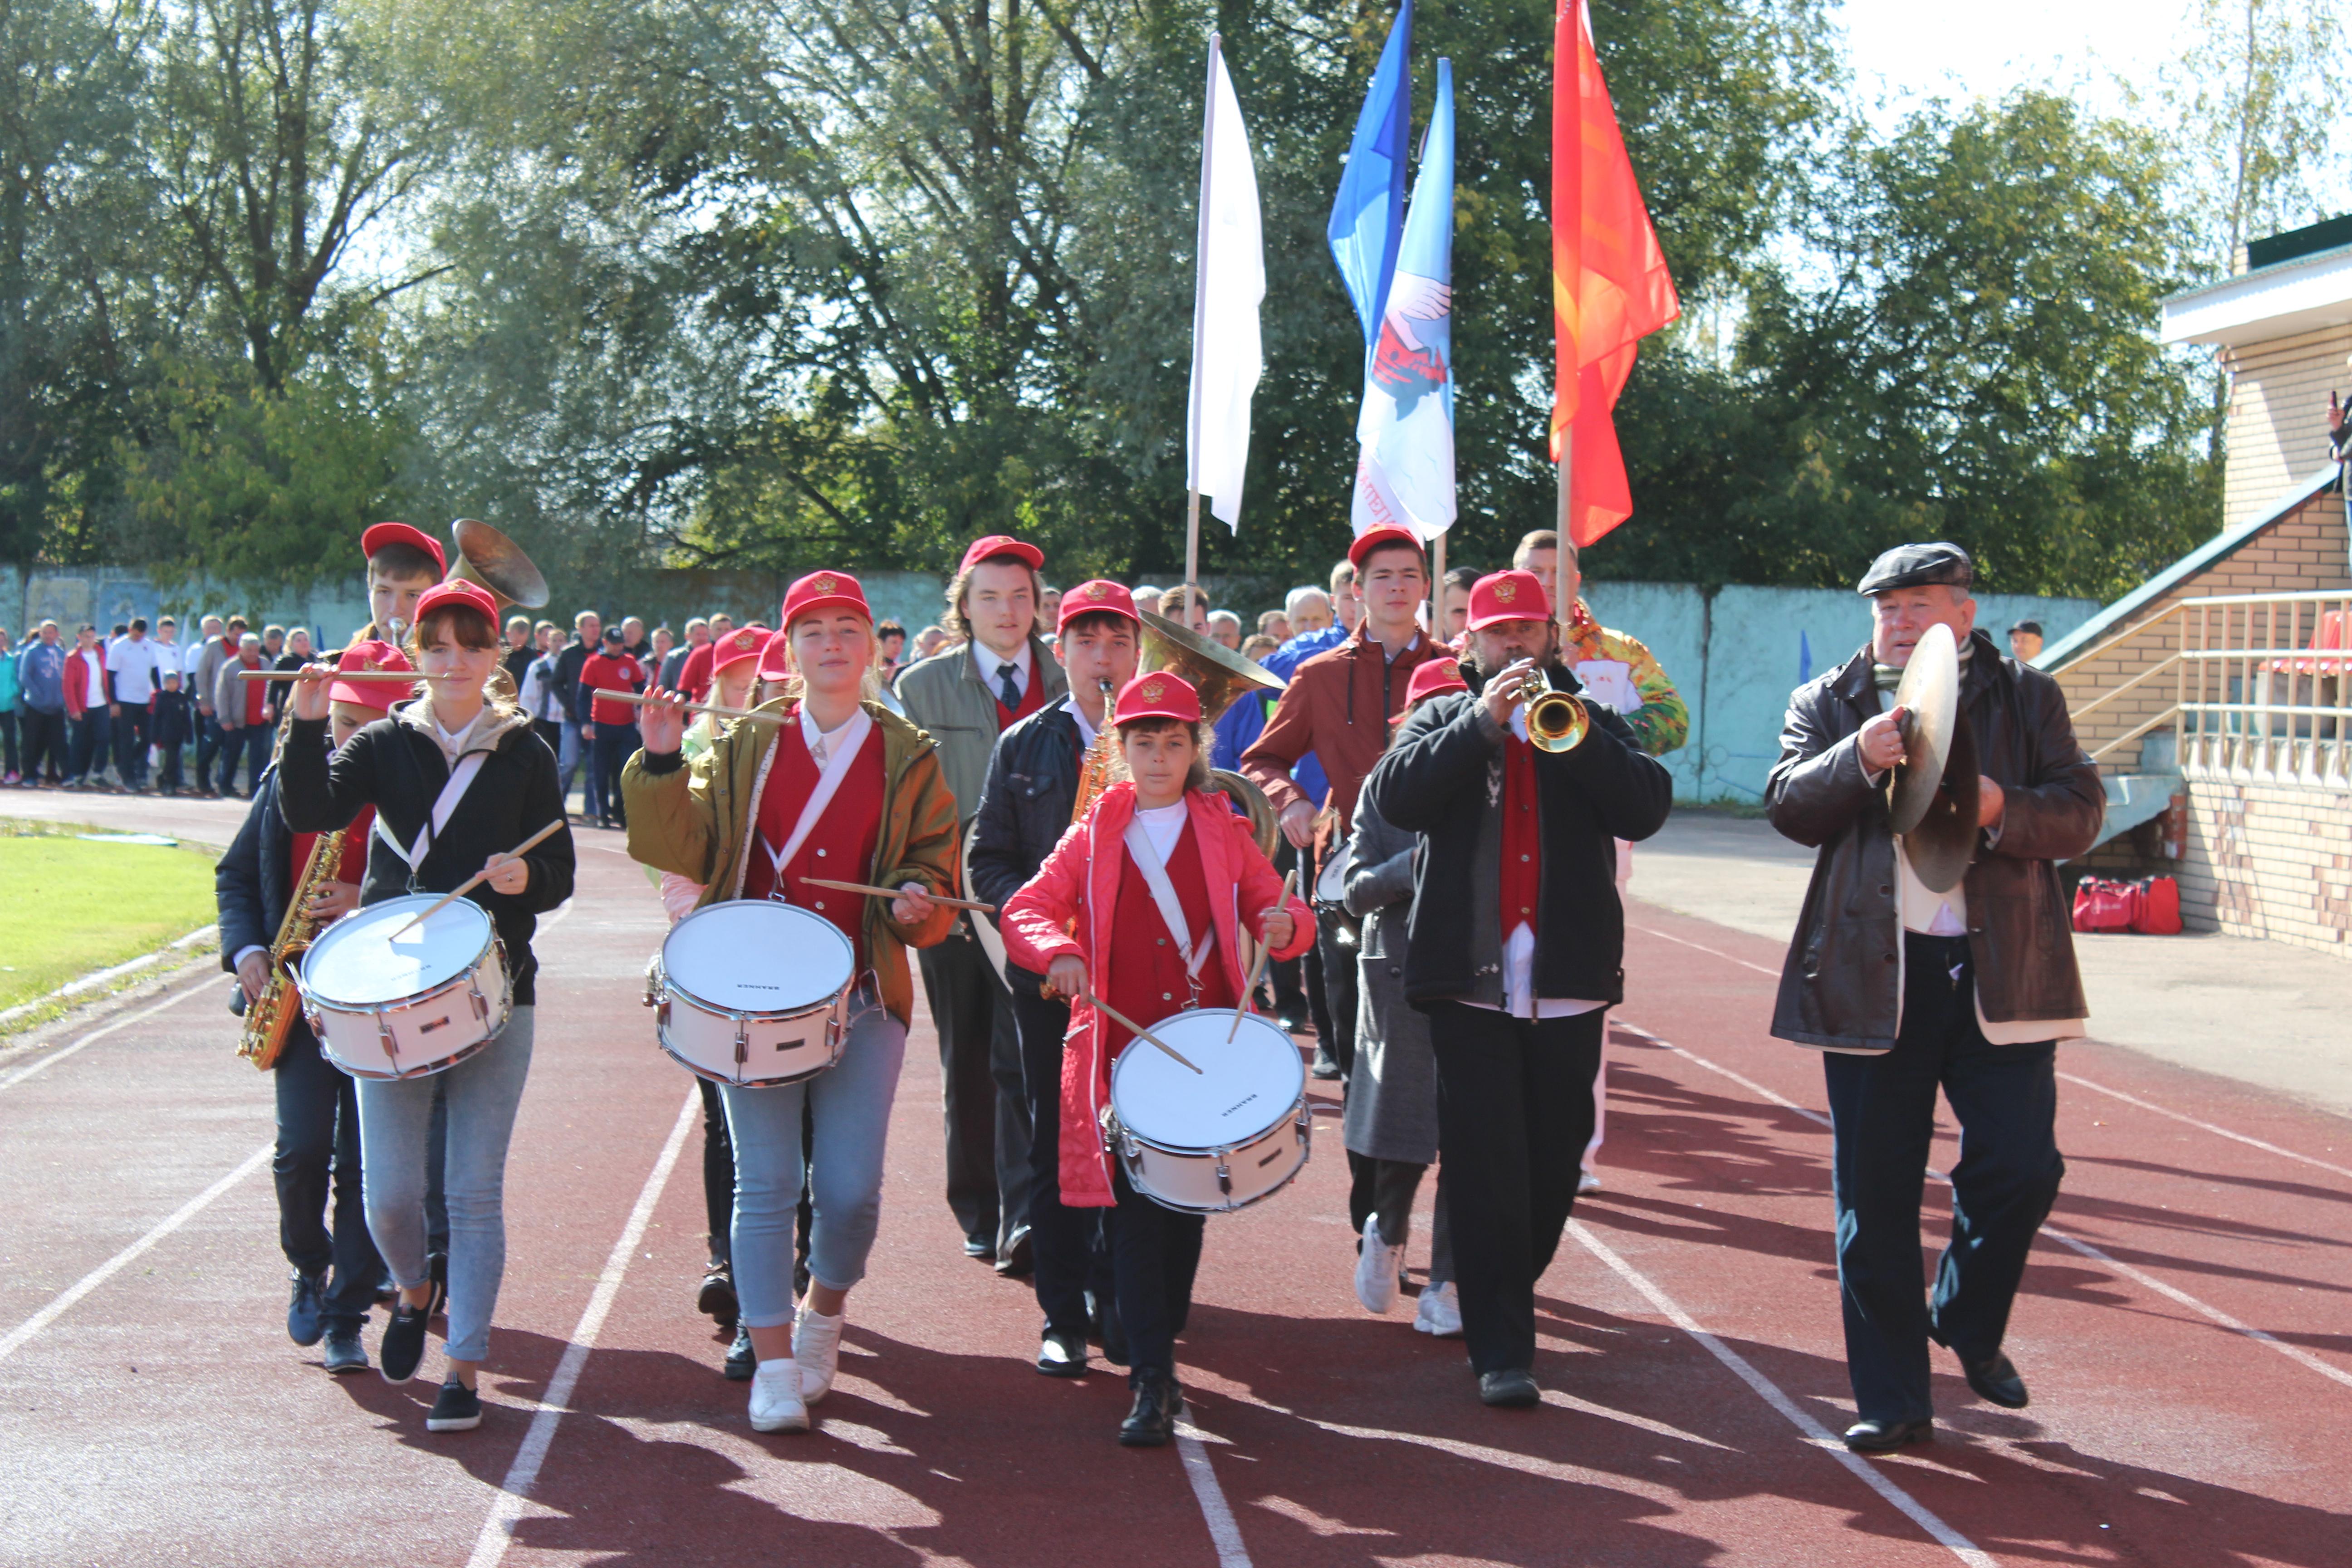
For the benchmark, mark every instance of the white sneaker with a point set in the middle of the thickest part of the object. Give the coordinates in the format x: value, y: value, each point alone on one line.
x: 816, y: 1350
x: 776, y: 1403
x: 1380, y: 1269
x: 1441, y: 1311
x: 1586, y: 1182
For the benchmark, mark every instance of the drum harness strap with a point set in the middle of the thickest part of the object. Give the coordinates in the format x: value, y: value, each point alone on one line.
x: 461, y: 778
x: 1171, y: 908
x: 843, y: 749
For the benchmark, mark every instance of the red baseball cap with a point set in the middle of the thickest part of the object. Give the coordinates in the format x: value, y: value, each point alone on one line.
x: 1373, y: 538
x: 745, y: 642
x: 1430, y: 678
x: 1158, y: 695
x: 775, y: 657
x: 1507, y: 596
x: 383, y: 533
x: 1002, y: 544
x: 379, y: 695
x: 1096, y: 597
x: 823, y: 591
x: 473, y: 595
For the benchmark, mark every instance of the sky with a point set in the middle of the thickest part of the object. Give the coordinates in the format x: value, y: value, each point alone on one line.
x: 1984, y: 47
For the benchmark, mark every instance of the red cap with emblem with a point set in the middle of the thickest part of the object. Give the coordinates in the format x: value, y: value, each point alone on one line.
x: 1373, y: 538
x: 823, y: 591
x: 379, y: 695
x: 383, y: 533
x: 1096, y: 597
x: 1002, y: 544
x: 776, y: 658
x: 1507, y: 596
x: 1158, y: 695
x: 746, y: 642
x: 471, y: 594
x: 1431, y: 677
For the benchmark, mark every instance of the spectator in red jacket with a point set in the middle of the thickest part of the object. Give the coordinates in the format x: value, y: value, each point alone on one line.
x: 88, y: 729
x: 610, y: 726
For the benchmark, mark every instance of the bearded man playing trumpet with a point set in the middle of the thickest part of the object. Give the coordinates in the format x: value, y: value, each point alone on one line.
x: 1515, y: 946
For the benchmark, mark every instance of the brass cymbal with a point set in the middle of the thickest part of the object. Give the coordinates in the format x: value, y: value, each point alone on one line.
x: 1943, y: 843
x: 1931, y: 794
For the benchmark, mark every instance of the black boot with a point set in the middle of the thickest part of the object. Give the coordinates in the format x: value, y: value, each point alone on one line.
x: 1157, y: 1402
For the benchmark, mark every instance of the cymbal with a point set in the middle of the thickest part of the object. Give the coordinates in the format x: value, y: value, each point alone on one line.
x: 1944, y: 842
x: 1931, y: 794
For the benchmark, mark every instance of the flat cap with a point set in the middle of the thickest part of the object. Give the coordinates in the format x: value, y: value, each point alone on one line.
x: 1918, y: 566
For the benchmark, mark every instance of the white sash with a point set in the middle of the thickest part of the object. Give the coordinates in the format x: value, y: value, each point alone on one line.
x: 461, y: 778
x: 1163, y: 893
x: 849, y: 741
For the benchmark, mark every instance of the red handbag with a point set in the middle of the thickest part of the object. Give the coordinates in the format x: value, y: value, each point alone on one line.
x: 2156, y: 906
x: 2103, y: 905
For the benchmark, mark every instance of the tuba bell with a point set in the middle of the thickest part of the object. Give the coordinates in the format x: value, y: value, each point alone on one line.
x: 488, y: 559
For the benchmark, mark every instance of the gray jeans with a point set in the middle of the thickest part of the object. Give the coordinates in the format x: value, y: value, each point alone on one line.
x: 483, y: 1092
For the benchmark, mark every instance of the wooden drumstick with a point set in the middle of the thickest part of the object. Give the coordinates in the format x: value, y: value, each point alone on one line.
x: 1265, y: 955
x: 639, y: 699
x: 871, y: 891
x: 475, y: 880
x: 1132, y: 1027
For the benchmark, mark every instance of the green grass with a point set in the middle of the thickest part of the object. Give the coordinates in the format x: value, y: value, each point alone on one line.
x: 69, y: 905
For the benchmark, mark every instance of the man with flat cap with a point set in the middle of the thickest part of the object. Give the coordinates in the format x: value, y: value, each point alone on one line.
x: 1907, y: 991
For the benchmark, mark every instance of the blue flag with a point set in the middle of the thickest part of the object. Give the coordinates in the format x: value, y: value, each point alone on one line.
x: 1804, y: 657
x: 1368, y: 217
x: 1404, y: 471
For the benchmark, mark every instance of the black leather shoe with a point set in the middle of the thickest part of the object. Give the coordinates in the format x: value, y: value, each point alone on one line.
x: 1997, y: 1381
x: 403, y: 1345
x: 306, y: 1319
x: 716, y: 1298
x: 345, y: 1351
x: 1013, y: 1262
x: 1885, y: 1436
x: 742, y: 1361
x: 1062, y: 1355
x: 1152, y: 1421
x: 1513, y: 1388
x: 979, y: 1247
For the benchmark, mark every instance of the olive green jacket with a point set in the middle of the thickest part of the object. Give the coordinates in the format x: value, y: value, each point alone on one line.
x: 699, y: 820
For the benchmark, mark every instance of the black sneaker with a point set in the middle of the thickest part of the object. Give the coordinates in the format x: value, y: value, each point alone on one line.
x: 459, y: 1409
x: 306, y: 1319
x: 345, y: 1351
x: 404, y: 1343
x: 1513, y: 1388
x: 716, y: 1298
x: 437, y: 1264
x: 742, y: 1361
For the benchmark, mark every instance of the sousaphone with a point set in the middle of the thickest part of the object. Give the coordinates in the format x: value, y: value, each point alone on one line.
x: 1221, y: 677
x: 1931, y: 794
x: 488, y: 559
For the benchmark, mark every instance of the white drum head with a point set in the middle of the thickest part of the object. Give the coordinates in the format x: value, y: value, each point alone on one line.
x: 1241, y: 1089
x: 756, y: 956
x: 359, y: 963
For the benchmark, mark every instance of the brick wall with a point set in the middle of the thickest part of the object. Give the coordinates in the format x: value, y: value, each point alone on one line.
x: 2269, y: 860
x: 2278, y: 417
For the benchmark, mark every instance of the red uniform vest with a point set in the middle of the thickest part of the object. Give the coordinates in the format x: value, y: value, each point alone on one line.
x: 1031, y: 701
x: 353, y: 866
x: 1147, y: 972
x: 1522, y: 868
x: 840, y: 846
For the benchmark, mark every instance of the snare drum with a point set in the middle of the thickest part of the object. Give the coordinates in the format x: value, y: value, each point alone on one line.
x: 422, y: 1002
x: 1211, y: 1142
x: 752, y: 993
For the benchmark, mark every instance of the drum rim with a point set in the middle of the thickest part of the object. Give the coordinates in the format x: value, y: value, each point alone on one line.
x: 490, y: 940
x: 1119, y: 1129
x: 1297, y: 1099
x: 1306, y: 1156
x: 673, y: 987
x: 661, y: 1039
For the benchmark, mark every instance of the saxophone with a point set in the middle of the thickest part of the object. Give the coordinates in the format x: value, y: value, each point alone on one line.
x: 269, y: 1015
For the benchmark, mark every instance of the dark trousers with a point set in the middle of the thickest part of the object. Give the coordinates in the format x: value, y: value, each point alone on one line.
x: 248, y: 743
x: 208, y: 740
x: 1882, y: 1110
x: 1065, y: 1250
x: 86, y: 743
x: 167, y: 768
x: 316, y: 1164
x: 1514, y: 1113
x: 8, y: 742
x: 986, y: 1107
x: 1154, y: 1253
x: 614, y: 746
x: 717, y: 1172
x: 45, y: 737
x: 1334, y: 954
x: 131, y: 728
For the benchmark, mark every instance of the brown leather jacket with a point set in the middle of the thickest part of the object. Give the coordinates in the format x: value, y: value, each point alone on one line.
x: 1337, y: 706
x: 1840, y: 985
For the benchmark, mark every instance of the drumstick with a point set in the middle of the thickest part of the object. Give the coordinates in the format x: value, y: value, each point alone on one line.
x: 410, y: 676
x: 1132, y: 1027
x: 872, y: 891
x: 640, y: 698
x: 475, y: 880
x: 1265, y: 954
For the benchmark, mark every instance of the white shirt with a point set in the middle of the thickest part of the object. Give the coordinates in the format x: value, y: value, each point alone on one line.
x: 821, y: 742
x: 985, y: 660
x: 1086, y: 730
x: 95, y: 697
x: 452, y: 744
x: 137, y: 668
x: 1162, y: 827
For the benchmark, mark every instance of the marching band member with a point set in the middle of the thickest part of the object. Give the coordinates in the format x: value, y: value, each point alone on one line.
x: 1112, y: 912
x: 403, y: 564
x: 843, y: 785
x: 317, y: 1162
x: 456, y: 779
x: 1514, y: 950
x: 1026, y: 806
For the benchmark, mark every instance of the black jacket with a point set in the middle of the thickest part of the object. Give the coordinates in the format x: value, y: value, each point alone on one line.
x: 400, y: 771
x: 567, y: 673
x: 1840, y: 985
x: 171, y: 721
x: 250, y: 881
x: 1436, y: 780
x: 1025, y: 806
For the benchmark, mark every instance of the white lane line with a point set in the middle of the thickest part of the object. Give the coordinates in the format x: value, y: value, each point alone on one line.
x: 2204, y: 1126
x: 2292, y: 1352
x: 1223, y: 1532
x: 1652, y: 931
x: 22, y: 1073
x: 497, y: 1530
x: 112, y: 1265
x: 1819, y: 1435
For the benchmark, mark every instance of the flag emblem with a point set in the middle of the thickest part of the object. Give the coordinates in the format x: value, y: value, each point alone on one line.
x: 826, y: 584
x: 1505, y: 592
x: 1153, y: 690
x: 1095, y: 590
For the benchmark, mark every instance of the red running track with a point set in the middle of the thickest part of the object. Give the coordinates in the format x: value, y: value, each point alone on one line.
x: 2192, y: 1371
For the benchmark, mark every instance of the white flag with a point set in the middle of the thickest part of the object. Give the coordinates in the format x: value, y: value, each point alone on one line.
x: 1229, y: 285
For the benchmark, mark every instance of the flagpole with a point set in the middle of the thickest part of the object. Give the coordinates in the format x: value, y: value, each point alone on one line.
x: 1562, y: 611
x: 1199, y: 324
x: 1438, y: 590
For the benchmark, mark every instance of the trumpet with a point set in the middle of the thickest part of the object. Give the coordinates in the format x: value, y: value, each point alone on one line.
x: 1556, y: 721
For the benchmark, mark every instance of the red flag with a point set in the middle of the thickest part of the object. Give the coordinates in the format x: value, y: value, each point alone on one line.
x: 1609, y: 282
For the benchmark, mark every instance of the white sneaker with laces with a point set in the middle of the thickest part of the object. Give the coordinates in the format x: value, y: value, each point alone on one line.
x: 1441, y: 1311
x: 816, y: 1350
x: 1380, y: 1269
x: 776, y: 1403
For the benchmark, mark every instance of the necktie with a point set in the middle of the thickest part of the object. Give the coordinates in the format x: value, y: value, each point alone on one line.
x: 816, y: 753
x: 1010, y: 694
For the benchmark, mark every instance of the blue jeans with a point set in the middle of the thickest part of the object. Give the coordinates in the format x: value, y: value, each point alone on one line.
x: 567, y: 760
x: 395, y: 1121
x: 851, y: 1103
x: 250, y: 742
x: 86, y: 743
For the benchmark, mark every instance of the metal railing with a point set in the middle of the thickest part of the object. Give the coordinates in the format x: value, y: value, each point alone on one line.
x: 2261, y: 690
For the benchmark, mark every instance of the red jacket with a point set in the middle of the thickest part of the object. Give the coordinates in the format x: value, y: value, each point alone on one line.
x: 1074, y: 884
x: 76, y: 678
x: 1337, y: 706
